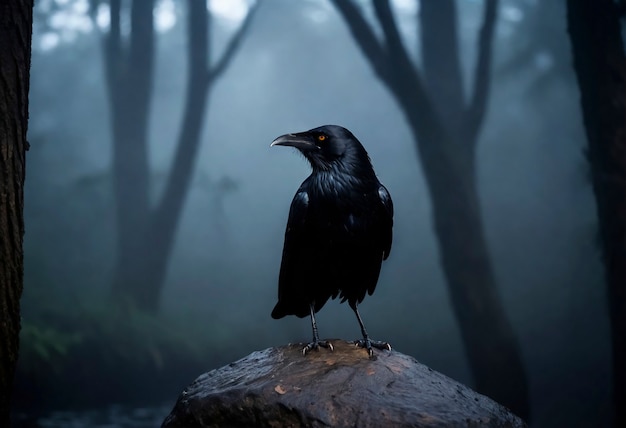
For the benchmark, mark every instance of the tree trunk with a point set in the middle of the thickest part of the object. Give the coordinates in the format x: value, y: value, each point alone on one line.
x: 146, y: 235
x: 16, y: 20
x: 164, y: 219
x: 600, y: 65
x: 447, y: 151
x: 490, y: 343
x: 129, y: 74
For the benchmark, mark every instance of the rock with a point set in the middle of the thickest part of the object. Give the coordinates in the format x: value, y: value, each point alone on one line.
x: 279, y: 387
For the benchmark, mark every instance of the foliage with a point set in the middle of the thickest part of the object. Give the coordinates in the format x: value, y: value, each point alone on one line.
x: 123, y: 351
x: 45, y: 346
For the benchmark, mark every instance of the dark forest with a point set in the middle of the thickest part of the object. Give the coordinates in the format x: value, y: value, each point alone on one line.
x: 154, y: 209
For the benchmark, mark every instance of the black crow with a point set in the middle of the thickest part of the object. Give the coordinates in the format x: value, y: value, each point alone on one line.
x: 339, y: 230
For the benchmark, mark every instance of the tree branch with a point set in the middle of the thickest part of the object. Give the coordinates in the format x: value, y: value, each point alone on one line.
x: 475, y: 112
x: 404, y: 74
x: 363, y: 34
x: 168, y: 211
x: 195, y: 100
x: 390, y: 29
x: 391, y: 62
x: 232, y: 47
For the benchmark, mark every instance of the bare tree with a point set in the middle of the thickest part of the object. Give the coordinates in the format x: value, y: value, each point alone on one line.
x: 446, y: 126
x: 16, y: 23
x: 145, y: 233
x: 600, y: 65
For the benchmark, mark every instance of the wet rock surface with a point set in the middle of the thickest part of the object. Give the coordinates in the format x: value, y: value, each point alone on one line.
x: 279, y: 387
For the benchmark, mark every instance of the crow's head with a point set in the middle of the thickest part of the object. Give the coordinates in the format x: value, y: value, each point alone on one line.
x: 329, y: 147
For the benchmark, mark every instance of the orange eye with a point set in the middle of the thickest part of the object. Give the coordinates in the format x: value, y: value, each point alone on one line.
x: 321, y: 137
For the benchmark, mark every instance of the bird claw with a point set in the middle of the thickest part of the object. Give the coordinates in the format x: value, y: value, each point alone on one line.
x: 371, y: 344
x: 316, y: 345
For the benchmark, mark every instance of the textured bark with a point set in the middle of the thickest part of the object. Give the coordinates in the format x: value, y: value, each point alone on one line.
x: 600, y: 65
x: 447, y: 154
x: 16, y: 19
x: 146, y: 235
x: 279, y: 387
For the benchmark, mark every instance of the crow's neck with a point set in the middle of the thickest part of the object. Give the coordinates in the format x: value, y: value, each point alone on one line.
x: 338, y: 181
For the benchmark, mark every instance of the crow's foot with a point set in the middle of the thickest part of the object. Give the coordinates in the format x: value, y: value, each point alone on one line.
x: 370, y: 344
x: 316, y: 345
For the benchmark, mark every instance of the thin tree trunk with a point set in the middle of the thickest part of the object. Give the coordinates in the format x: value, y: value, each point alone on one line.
x: 146, y: 235
x: 600, y: 65
x: 129, y: 71
x: 164, y: 219
x: 490, y: 343
x: 447, y: 151
x: 16, y: 20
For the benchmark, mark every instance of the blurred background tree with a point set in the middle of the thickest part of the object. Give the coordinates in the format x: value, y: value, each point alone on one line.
x: 145, y: 230
x: 445, y: 128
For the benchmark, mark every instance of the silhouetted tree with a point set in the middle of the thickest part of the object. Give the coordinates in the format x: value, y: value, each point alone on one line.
x: 146, y: 233
x: 600, y: 65
x: 445, y: 126
x: 16, y: 23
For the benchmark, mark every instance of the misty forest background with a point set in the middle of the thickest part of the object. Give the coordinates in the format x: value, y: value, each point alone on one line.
x: 155, y: 209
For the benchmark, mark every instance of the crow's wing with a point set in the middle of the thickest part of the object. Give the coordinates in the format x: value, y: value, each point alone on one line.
x: 387, y: 223
x: 382, y: 230
x: 295, y: 246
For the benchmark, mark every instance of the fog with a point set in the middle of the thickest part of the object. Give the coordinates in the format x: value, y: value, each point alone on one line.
x: 298, y: 67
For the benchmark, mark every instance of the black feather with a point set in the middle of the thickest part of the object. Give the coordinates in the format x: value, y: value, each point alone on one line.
x: 340, y: 225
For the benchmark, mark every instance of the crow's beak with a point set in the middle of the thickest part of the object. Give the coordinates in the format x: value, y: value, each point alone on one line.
x: 302, y: 141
